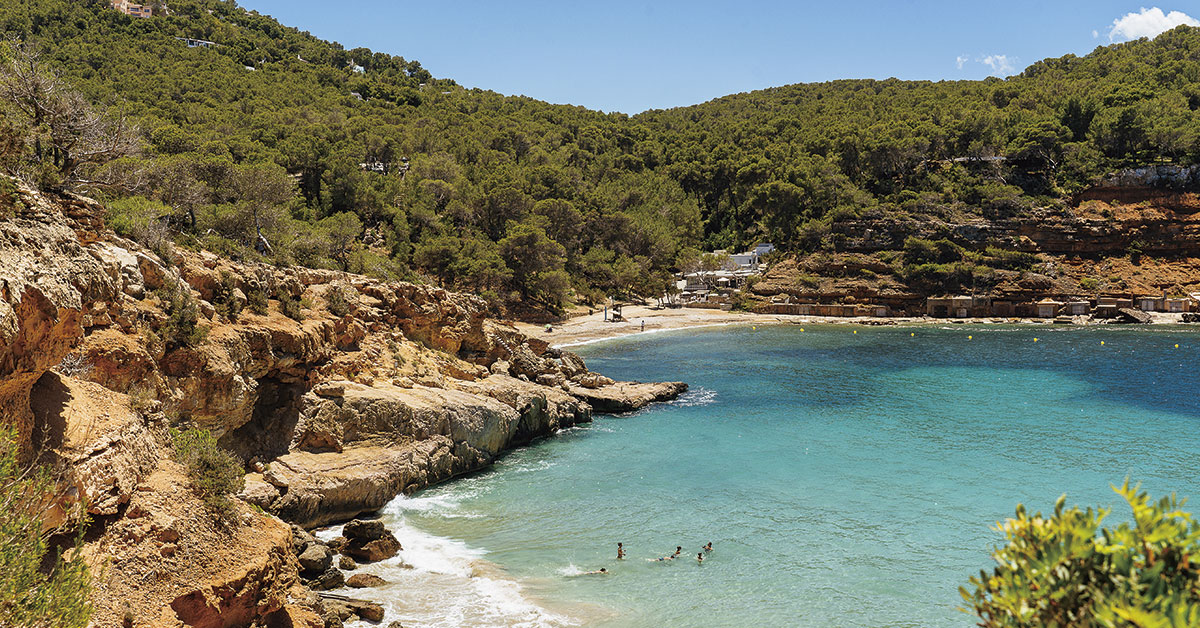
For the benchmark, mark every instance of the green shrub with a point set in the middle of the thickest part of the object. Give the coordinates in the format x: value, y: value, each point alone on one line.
x: 1089, y: 283
x: 10, y: 198
x: 223, y: 300
x: 290, y: 306
x: 336, y: 301
x: 742, y: 302
x: 215, y: 472
x: 1004, y: 258
x: 807, y: 281
x: 142, y: 398
x: 181, y: 329
x: 949, y: 277
x: 1066, y: 570
x: 921, y: 251
x: 1135, y: 250
x: 256, y: 299
x: 36, y: 589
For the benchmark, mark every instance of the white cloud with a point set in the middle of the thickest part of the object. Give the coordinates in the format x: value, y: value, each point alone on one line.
x: 1148, y: 23
x: 1095, y: 33
x: 961, y: 60
x: 1000, y: 64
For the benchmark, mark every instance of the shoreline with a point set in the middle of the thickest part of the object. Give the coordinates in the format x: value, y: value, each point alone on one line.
x: 524, y: 592
x: 592, y: 328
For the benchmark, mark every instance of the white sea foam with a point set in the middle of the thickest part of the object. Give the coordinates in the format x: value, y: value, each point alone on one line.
x: 699, y: 396
x: 441, y: 582
x: 527, y: 466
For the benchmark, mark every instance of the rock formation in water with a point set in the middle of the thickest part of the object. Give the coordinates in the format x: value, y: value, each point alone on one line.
x: 368, y: 390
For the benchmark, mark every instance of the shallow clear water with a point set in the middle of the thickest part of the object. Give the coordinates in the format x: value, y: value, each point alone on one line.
x: 844, y: 478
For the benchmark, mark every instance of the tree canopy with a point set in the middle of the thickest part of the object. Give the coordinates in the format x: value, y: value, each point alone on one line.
x: 437, y: 175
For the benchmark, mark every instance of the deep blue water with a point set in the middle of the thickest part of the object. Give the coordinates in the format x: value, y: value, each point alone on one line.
x: 845, y: 479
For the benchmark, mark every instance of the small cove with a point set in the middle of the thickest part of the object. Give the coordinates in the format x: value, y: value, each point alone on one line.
x: 844, y: 478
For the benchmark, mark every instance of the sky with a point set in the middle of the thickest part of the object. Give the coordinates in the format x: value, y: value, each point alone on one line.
x: 633, y: 55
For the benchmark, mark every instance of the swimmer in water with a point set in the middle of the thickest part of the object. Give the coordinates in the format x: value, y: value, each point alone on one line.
x: 700, y: 557
x: 594, y: 573
x: 620, y: 552
x: 708, y: 548
x: 678, y: 551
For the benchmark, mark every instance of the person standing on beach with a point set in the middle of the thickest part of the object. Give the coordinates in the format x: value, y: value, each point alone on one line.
x: 620, y: 552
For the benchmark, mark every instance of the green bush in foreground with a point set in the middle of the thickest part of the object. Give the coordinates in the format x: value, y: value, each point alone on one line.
x: 31, y: 595
x: 1067, y: 570
x: 291, y: 307
x: 215, y: 472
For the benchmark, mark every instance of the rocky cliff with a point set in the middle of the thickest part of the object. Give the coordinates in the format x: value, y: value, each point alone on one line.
x: 338, y: 392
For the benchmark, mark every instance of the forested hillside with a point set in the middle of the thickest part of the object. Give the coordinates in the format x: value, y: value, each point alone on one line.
x: 275, y: 144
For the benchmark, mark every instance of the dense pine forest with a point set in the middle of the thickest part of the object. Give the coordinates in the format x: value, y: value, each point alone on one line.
x: 259, y: 141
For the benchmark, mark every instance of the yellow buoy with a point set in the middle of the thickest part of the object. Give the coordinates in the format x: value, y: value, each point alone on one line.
x: 1035, y: 339
x: 1101, y: 343
x: 801, y: 329
x: 970, y: 337
x: 913, y: 334
x: 856, y: 331
x: 753, y: 328
x: 1176, y: 346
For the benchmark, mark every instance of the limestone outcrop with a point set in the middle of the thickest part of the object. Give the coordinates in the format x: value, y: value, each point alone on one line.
x: 94, y: 433
x: 628, y: 396
x: 333, y: 409
x: 353, y: 451
x: 49, y: 284
x: 168, y: 562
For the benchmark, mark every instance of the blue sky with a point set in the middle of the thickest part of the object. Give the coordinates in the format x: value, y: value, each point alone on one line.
x: 633, y: 55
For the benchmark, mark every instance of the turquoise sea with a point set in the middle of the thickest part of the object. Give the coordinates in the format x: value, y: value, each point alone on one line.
x: 846, y: 476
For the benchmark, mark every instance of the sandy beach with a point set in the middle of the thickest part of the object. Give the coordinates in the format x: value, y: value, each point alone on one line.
x: 642, y: 319
x: 584, y: 328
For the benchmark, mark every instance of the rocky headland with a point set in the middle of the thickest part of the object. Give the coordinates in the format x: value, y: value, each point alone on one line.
x: 336, y: 391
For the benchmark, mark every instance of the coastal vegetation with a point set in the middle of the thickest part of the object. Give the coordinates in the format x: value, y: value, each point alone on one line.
x: 215, y: 473
x: 220, y: 128
x: 1069, y: 570
x: 210, y: 127
x: 42, y: 584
